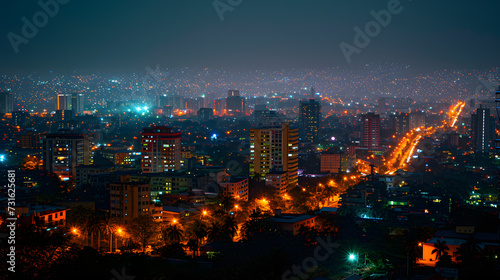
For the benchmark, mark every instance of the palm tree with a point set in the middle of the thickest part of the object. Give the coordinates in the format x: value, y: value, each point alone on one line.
x: 215, y: 232
x: 82, y: 218
x: 227, y: 203
x: 108, y: 228
x: 94, y: 226
x: 173, y: 233
x: 329, y: 191
x: 230, y: 226
x: 198, y: 231
x: 439, y: 248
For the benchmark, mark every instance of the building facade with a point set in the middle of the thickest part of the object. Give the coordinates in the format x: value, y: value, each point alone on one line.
x: 236, y: 188
x: 309, y: 118
x: 129, y: 200
x: 160, y: 149
x: 371, y: 131
x: 274, y: 149
x: 70, y: 101
x: 63, y: 152
x: 482, y: 130
x: 6, y: 103
x: 235, y: 104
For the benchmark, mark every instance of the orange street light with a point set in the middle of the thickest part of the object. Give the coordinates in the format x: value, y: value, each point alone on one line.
x: 303, y: 189
x: 74, y: 230
x: 174, y: 221
x: 205, y: 212
x: 236, y: 206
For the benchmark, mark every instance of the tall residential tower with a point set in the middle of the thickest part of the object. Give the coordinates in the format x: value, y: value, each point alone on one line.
x: 275, y: 150
x: 160, y: 149
x: 371, y: 131
x: 309, y: 118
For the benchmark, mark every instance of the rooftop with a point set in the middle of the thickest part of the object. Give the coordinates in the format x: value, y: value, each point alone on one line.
x: 291, y: 218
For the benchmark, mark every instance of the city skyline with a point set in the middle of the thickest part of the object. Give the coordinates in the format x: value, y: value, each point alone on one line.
x: 238, y: 139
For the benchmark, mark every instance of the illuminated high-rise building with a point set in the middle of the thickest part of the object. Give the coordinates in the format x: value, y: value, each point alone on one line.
x: 309, y: 118
x: 63, y: 152
x: 194, y: 104
x: 235, y: 104
x: 274, y: 149
x: 70, y: 101
x: 371, y: 131
x: 482, y: 130
x: 129, y: 200
x: 400, y: 122
x: 77, y: 103
x: 174, y: 100
x: 417, y: 119
x: 233, y: 93
x: 220, y: 107
x: 312, y: 93
x: 21, y: 118
x: 497, y: 138
x: 6, y: 103
x: 205, y: 114
x: 63, y: 101
x: 160, y: 149
x: 382, y: 105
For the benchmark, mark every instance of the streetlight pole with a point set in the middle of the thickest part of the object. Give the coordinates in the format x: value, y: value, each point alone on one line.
x: 353, y: 257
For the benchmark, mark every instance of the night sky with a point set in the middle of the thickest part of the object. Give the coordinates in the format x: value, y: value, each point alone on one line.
x: 257, y: 34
